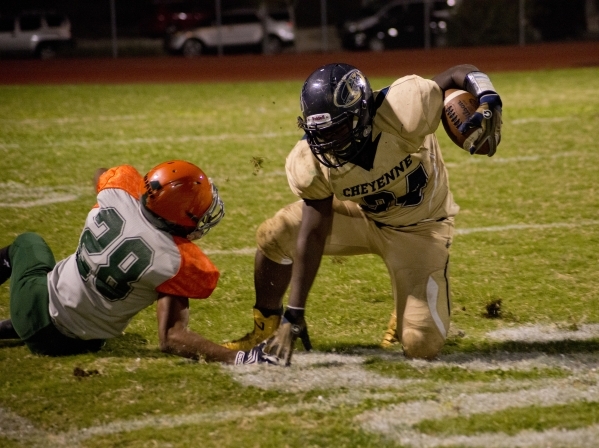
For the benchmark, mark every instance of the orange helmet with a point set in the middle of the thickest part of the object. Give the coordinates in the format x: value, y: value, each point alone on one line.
x: 182, y: 198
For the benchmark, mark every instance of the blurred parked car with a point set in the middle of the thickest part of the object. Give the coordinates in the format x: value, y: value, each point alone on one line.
x: 35, y: 34
x: 168, y: 16
x: 398, y: 24
x: 241, y: 29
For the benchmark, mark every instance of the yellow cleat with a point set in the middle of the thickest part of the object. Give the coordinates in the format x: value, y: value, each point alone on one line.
x: 390, y: 338
x: 264, y: 327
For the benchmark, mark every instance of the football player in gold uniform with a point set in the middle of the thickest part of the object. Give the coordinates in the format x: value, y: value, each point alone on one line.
x: 372, y: 180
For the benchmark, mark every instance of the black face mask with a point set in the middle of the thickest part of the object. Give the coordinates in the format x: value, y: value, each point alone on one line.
x: 336, y: 143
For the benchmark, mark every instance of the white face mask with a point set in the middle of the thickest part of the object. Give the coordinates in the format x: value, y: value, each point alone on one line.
x: 211, y: 217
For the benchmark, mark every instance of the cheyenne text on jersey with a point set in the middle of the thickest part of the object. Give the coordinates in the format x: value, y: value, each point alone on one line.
x: 385, y: 179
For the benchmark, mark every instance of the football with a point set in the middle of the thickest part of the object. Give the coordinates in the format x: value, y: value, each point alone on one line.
x: 459, y: 105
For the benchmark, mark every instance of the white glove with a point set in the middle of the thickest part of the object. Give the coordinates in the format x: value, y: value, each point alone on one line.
x: 256, y: 356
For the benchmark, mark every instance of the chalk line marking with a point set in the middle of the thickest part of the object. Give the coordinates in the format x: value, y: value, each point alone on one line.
x: 528, y: 120
x: 70, y: 120
x: 555, y: 225
x: 467, y: 231
x: 338, y: 371
x: 517, y: 159
x: 159, y: 140
x: 540, y: 333
x: 393, y: 421
x: 110, y: 118
x: 15, y: 427
x: 130, y: 117
x: 17, y: 195
x: 243, y: 251
x: 313, y: 371
x: 396, y: 421
x: 454, y: 399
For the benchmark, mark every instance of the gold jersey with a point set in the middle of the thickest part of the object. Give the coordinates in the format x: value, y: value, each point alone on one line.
x: 408, y: 181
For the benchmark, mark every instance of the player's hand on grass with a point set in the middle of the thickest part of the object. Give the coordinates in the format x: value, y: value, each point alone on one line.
x: 256, y: 356
x: 282, y: 342
x: 487, y: 124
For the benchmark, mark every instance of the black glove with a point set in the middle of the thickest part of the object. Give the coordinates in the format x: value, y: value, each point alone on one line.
x: 256, y: 356
x: 293, y: 326
x: 487, y: 122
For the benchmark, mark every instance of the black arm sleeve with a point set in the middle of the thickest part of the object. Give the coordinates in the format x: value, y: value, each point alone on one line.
x: 455, y: 77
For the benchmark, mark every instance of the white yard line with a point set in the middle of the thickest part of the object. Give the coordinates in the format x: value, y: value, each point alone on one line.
x: 326, y: 371
x: 518, y: 159
x: 17, y: 195
x: 129, y: 117
x: 529, y: 120
x: 222, y: 137
x: 396, y: 422
x: 467, y: 231
x: 244, y: 136
x: 543, y: 333
x: 70, y: 120
x: 555, y: 225
x: 15, y: 427
x: 49, y: 199
x: 155, y: 140
x: 345, y: 373
x: 243, y: 251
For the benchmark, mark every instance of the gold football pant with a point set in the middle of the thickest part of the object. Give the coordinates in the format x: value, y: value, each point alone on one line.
x: 417, y: 258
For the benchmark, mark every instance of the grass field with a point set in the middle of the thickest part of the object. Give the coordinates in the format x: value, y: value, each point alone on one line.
x: 527, y: 239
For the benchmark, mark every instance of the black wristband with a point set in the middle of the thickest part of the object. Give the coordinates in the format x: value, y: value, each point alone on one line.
x: 294, y: 315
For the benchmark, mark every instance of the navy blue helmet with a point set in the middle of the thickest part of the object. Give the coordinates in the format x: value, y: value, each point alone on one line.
x: 337, y: 108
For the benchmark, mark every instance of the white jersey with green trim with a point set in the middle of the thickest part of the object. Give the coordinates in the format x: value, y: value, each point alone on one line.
x: 408, y: 181
x: 120, y: 261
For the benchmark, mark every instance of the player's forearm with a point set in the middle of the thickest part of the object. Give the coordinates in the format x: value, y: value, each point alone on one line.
x: 305, y: 268
x: 317, y: 219
x: 188, y: 344
x: 454, y: 77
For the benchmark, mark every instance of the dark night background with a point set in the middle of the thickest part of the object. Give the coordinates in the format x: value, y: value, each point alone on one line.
x: 91, y: 18
x: 478, y: 22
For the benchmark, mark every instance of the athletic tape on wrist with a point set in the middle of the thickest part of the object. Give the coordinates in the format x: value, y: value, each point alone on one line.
x: 478, y: 83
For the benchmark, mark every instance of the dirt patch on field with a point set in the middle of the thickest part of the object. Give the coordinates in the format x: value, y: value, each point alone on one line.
x: 294, y: 66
